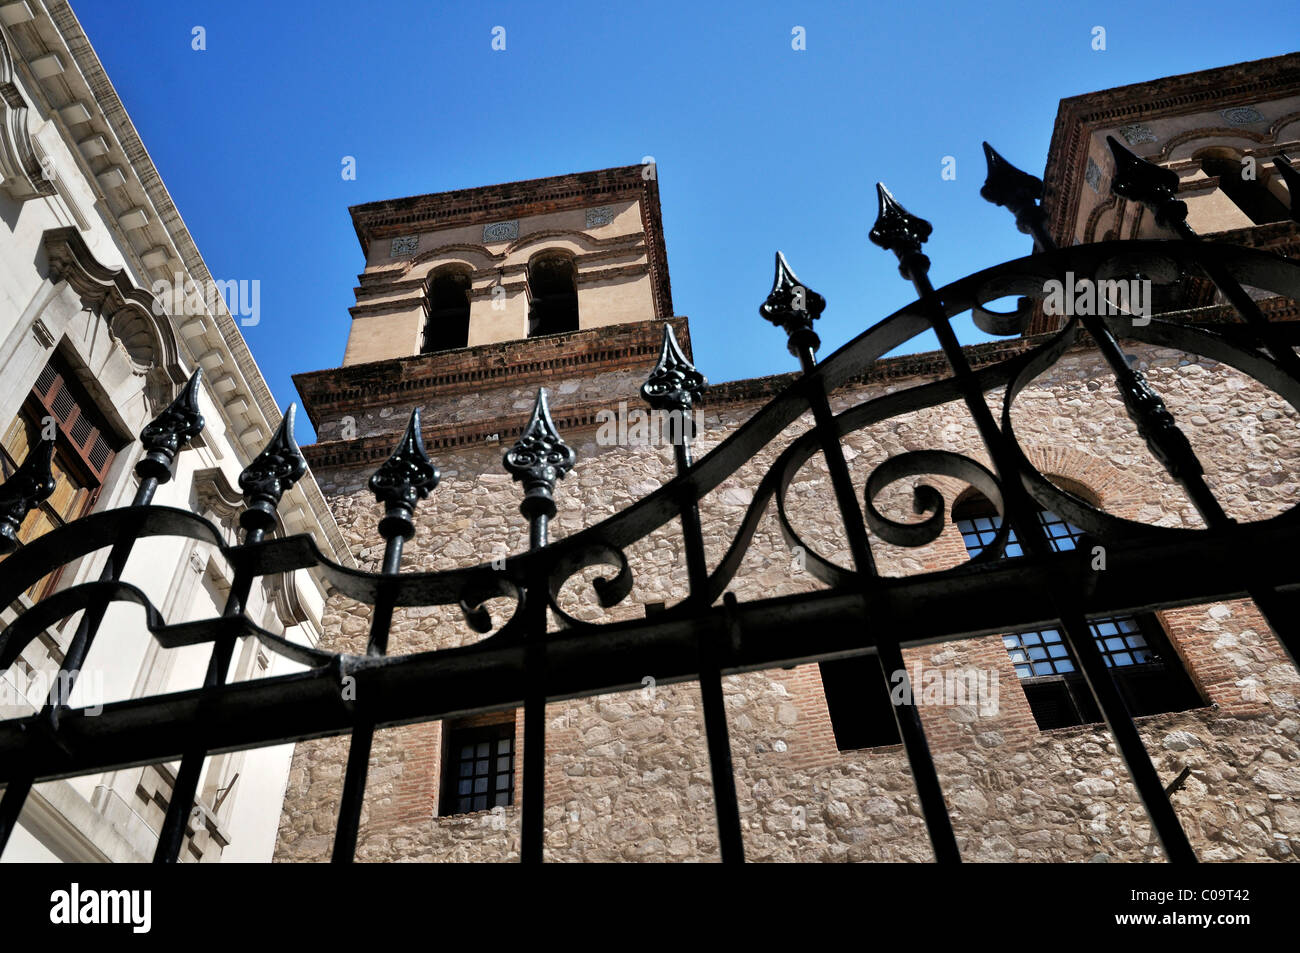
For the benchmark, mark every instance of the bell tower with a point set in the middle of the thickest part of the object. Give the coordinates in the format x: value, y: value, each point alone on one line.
x: 470, y: 300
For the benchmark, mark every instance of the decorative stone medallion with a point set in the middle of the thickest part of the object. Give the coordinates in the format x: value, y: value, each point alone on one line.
x: 1241, y: 115
x: 406, y: 245
x: 1136, y: 133
x: 1093, y: 174
x: 501, y: 232
x: 599, y: 216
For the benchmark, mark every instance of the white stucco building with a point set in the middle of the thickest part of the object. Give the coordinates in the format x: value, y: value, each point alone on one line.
x: 87, y: 231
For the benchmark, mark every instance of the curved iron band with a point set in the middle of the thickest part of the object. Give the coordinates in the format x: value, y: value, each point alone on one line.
x: 609, y: 591
x: 1026, y: 276
x: 65, y: 602
x: 926, y: 499
x: 778, y: 479
x: 602, y: 543
x: 71, y: 541
x: 1258, y: 268
x: 62, y: 545
x: 1095, y: 521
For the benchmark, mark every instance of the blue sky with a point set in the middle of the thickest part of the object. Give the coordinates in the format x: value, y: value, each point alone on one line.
x: 758, y: 146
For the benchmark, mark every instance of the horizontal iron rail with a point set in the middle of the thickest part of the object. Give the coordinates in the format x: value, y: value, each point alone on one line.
x: 915, y: 610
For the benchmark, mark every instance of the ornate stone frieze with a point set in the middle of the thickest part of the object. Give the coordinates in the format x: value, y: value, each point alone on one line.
x: 501, y: 232
x: 1241, y: 115
x: 597, y: 217
x: 406, y: 245
x: 1136, y: 134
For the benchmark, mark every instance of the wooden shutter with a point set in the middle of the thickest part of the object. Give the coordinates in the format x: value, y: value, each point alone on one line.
x: 67, y: 403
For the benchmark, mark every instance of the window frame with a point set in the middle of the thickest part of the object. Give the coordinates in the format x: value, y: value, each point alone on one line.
x: 57, y: 394
x: 436, y: 337
x: 457, y: 735
x: 543, y: 306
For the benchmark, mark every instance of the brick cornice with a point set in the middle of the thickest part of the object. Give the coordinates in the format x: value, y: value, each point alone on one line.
x: 516, y: 363
x: 372, y: 450
x: 1079, y: 116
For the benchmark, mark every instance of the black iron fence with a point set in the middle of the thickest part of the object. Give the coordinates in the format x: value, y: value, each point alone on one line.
x: 541, y: 653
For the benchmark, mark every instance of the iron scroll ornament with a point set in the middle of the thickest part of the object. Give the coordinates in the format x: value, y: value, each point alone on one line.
x: 605, y: 543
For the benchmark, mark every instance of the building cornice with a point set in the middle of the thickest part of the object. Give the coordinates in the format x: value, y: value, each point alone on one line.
x: 1078, y: 117
x: 20, y: 167
x: 81, y: 101
x: 517, y: 363
x: 571, y: 418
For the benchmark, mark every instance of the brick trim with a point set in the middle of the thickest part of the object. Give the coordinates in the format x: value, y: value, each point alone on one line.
x: 1079, y: 116
x: 516, y: 362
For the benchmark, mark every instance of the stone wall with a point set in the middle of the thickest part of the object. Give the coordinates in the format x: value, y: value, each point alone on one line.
x: 628, y: 774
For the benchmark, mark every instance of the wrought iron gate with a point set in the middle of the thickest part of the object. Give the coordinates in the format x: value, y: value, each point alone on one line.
x: 709, y: 634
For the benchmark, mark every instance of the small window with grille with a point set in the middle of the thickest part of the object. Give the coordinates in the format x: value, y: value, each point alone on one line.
x: 478, y: 767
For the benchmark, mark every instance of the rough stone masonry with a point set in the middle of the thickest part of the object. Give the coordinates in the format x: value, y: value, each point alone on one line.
x: 628, y: 774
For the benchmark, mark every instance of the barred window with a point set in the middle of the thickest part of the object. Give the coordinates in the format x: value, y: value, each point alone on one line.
x: 478, y: 767
x: 1145, y: 668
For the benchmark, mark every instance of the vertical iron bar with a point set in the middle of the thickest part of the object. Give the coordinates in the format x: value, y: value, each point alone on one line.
x: 162, y: 438
x: 363, y: 731
x: 532, y: 819
x: 1033, y: 537
x: 674, y: 387
x: 1171, y: 447
x: 172, y: 834
x: 15, y: 796
x: 264, y: 482
x: 1156, y: 188
x: 889, y: 654
x: 731, y: 844
x: 91, y: 619
x: 794, y: 307
x: 903, y: 233
x: 404, y: 479
x: 538, y: 459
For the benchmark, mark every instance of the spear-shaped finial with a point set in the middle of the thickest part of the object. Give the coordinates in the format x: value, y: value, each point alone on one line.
x: 167, y: 434
x: 539, y: 458
x: 674, y: 383
x: 1292, y: 179
x: 31, y: 483
x: 1014, y: 189
x: 1142, y: 181
x: 264, y: 481
x: 404, y: 479
x: 901, y: 232
x: 794, y: 306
